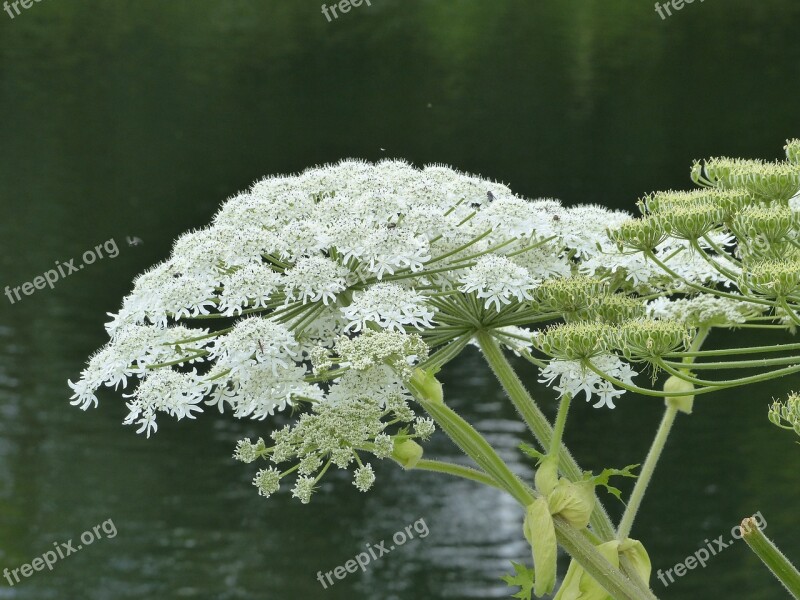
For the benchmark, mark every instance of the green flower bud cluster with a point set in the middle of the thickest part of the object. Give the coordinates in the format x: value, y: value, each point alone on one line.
x: 648, y: 339
x: 692, y: 222
x: 639, y: 234
x: 792, y: 148
x: 575, y: 341
x: 727, y: 201
x: 336, y: 434
x: 777, y: 278
x: 570, y: 295
x: 767, y: 181
x: 615, y: 309
x: 786, y: 415
x: 717, y: 172
x: 766, y: 230
x: 398, y: 350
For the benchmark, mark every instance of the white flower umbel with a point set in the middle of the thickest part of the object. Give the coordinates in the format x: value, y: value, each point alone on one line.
x: 570, y: 377
x: 315, y: 278
x: 390, y: 306
x: 176, y: 394
x: 304, y: 290
x: 498, y: 281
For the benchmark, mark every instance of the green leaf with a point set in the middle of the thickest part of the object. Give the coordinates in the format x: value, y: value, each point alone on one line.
x: 523, y: 578
x: 603, y: 478
x: 532, y: 452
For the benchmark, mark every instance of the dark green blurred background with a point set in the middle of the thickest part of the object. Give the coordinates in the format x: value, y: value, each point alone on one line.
x: 137, y: 118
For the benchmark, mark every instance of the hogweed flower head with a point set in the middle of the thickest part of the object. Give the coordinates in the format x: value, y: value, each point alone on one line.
x: 343, y: 289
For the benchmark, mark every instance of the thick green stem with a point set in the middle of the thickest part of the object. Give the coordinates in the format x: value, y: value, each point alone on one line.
x: 613, y: 580
x: 646, y: 473
x: 538, y: 424
x: 769, y: 554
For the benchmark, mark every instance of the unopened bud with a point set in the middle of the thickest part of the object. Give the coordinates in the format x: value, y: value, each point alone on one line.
x: 682, y: 403
x: 408, y: 453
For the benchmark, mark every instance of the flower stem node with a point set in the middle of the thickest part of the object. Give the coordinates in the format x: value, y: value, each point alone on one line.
x: 692, y: 222
x: 424, y: 383
x: 764, y: 225
x: 682, y: 403
x: 408, y: 453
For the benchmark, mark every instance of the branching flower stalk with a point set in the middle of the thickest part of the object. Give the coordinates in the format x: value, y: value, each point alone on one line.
x: 342, y: 291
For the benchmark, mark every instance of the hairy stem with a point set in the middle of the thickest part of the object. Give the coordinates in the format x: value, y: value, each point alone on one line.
x: 646, y: 473
x: 769, y: 554
x: 538, y: 424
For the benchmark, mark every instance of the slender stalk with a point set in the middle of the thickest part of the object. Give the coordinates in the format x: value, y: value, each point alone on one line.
x: 656, y: 448
x: 769, y: 554
x: 560, y: 424
x: 733, y: 351
x: 740, y: 364
x: 477, y: 448
x: 538, y: 424
x: 646, y: 473
x: 455, y: 470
